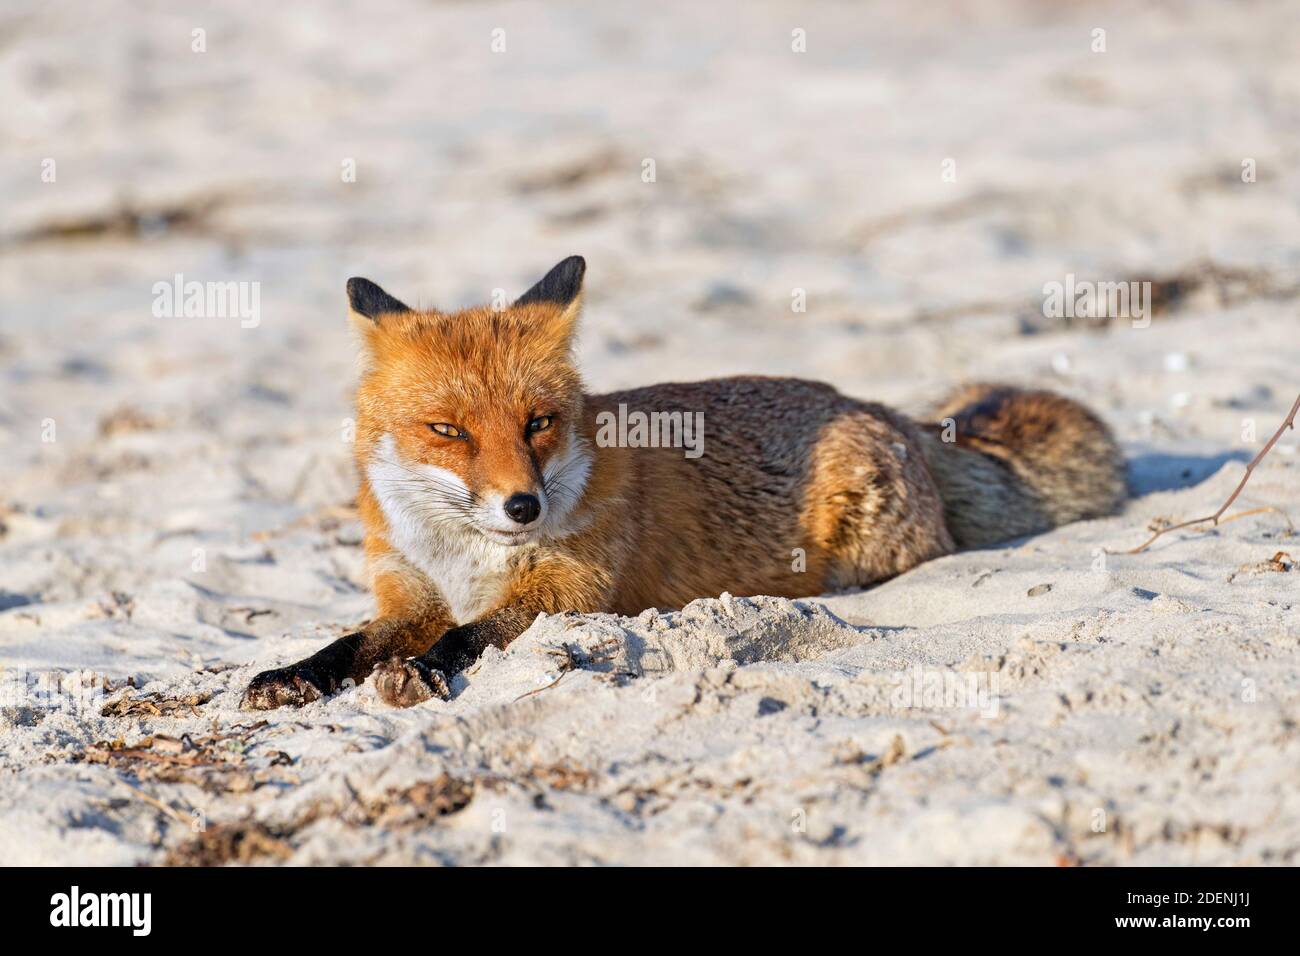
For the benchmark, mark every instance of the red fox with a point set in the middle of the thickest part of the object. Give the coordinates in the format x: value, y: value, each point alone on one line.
x: 493, y: 488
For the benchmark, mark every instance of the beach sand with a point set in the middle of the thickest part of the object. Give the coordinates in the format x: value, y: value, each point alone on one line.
x: 175, y: 493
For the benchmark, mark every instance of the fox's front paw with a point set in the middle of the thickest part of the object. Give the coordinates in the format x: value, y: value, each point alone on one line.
x: 290, y: 686
x: 401, y: 683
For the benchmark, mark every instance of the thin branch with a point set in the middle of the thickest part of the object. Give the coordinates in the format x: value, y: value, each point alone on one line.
x: 571, y: 659
x: 540, y: 689
x: 1214, y: 518
x: 155, y: 802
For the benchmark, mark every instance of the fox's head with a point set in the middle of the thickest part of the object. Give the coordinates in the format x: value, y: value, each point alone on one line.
x: 468, y: 421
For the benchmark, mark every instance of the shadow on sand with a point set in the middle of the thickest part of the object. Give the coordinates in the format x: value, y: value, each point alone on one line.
x: 1152, y: 472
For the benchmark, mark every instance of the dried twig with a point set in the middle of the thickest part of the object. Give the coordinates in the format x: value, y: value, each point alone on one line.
x: 1280, y: 562
x: 530, y: 693
x: 1214, y: 518
x: 571, y: 658
x: 155, y: 802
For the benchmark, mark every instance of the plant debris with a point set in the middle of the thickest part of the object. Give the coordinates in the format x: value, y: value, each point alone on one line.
x: 126, y: 419
x: 571, y: 657
x: 563, y: 775
x: 129, y: 220
x: 217, y: 763
x: 254, y: 841
x: 419, y: 803
x: 1217, y: 518
x: 1281, y: 562
x: 155, y: 704
x: 219, y: 844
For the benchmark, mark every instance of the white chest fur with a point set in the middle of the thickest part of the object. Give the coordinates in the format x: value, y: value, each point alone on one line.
x: 469, y: 570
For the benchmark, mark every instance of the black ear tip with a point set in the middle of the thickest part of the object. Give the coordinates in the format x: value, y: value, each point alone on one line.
x: 369, y: 300
x: 571, y: 271
x: 559, y: 286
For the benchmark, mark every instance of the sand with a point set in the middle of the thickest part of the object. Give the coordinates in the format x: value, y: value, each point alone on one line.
x: 174, y: 492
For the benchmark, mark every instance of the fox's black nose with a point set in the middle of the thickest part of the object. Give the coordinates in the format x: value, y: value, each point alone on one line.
x: 523, y: 508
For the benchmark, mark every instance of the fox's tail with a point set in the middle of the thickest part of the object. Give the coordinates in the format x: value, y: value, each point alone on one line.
x: 1011, y: 462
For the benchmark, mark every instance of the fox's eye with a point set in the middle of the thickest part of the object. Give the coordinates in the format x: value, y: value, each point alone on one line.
x: 451, y: 431
x: 541, y: 423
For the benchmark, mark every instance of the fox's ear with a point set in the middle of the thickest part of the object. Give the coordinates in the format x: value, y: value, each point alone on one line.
x: 561, y: 287
x: 369, y: 301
